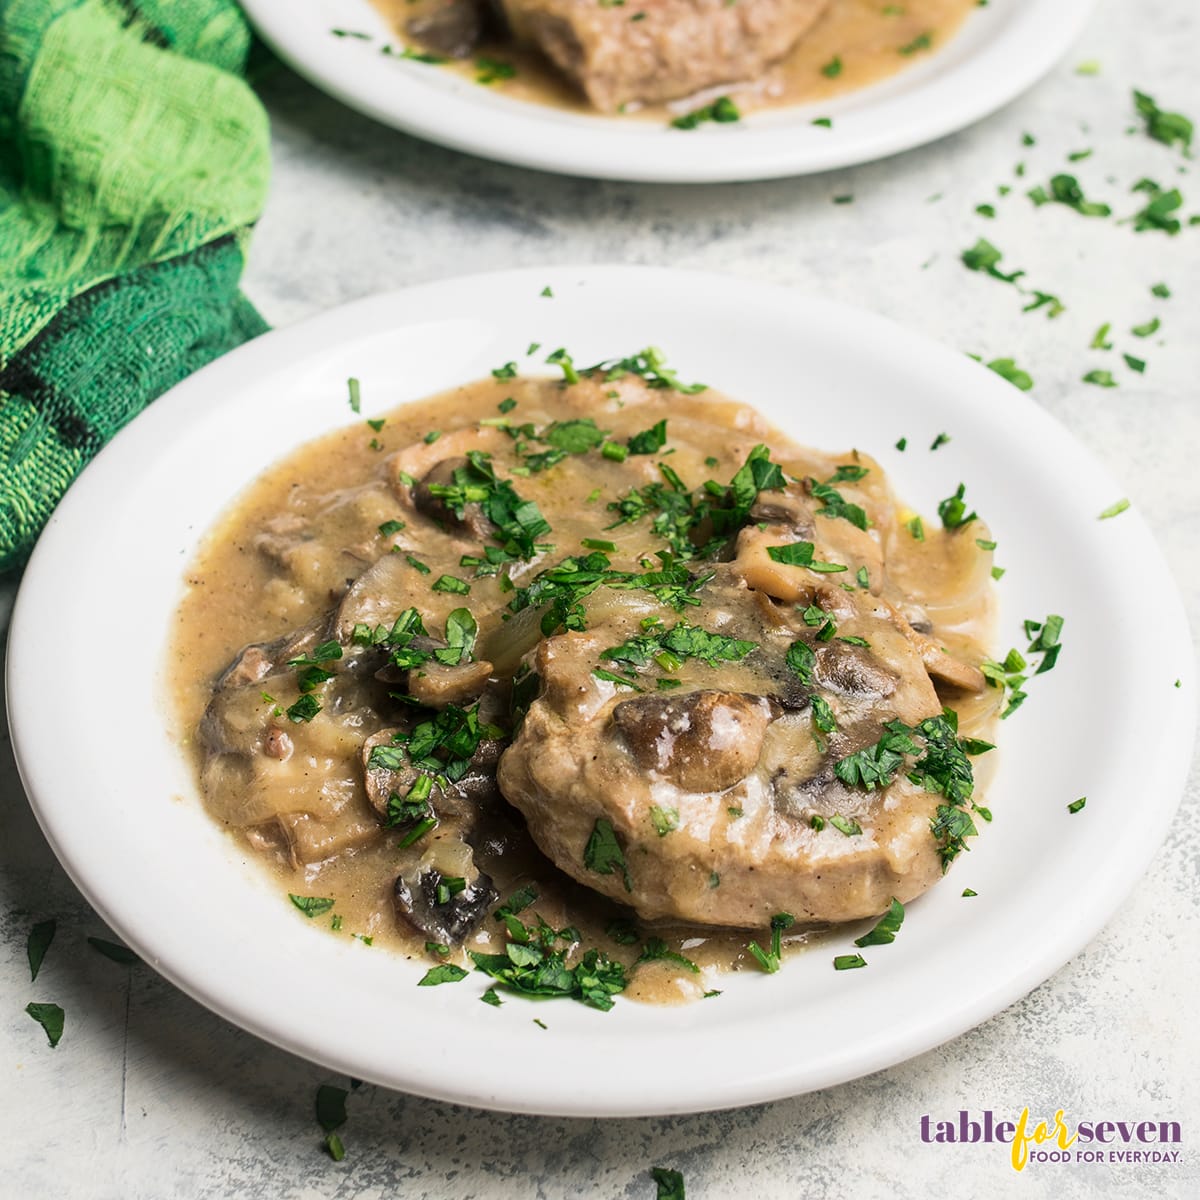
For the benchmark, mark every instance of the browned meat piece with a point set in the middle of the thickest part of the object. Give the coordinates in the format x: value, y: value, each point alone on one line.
x: 712, y: 789
x: 675, y: 48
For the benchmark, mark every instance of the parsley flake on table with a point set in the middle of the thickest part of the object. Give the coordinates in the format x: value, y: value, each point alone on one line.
x: 51, y: 1018
x: 1114, y: 510
x: 330, y: 1107
x: 1065, y: 189
x: 1165, y: 127
x: 1077, y: 805
x: 669, y: 1184
x: 114, y: 951
x: 1007, y: 368
x: 36, y: 945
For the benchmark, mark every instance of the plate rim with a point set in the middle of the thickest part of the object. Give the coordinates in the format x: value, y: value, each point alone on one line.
x: 851, y: 1063
x: 597, y: 147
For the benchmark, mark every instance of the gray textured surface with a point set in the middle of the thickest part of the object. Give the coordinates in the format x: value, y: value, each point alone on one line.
x: 149, y: 1095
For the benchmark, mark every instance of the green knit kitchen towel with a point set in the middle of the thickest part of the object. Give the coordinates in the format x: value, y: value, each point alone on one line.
x: 133, y: 161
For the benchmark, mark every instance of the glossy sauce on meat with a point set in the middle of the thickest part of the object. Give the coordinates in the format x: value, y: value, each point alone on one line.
x: 353, y: 530
x: 869, y: 41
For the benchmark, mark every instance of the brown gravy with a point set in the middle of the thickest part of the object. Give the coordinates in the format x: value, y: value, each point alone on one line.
x: 294, y: 542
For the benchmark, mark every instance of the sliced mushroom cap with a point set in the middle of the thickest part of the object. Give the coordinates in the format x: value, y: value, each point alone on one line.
x: 852, y: 671
x: 449, y: 27
x: 437, y: 684
x: 452, y: 921
x: 441, y: 474
x: 701, y: 741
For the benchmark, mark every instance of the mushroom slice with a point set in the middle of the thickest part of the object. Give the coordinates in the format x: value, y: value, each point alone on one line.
x: 442, y: 908
x: 701, y: 741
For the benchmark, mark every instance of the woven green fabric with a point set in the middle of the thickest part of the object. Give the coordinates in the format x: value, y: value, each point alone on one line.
x: 133, y: 161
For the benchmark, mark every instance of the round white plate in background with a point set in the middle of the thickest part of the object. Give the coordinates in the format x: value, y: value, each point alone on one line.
x: 1002, y: 49
x: 118, y: 801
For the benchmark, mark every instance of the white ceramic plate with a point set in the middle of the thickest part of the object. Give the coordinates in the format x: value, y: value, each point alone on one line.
x: 1002, y: 49
x: 118, y: 802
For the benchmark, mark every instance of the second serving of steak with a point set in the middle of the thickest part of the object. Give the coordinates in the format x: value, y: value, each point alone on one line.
x: 673, y: 49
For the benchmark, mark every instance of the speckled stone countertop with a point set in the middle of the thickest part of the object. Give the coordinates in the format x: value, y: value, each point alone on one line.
x: 149, y: 1095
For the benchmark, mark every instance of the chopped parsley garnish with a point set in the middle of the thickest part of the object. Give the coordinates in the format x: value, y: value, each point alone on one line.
x: 670, y: 647
x: 876, y: 765
x: 451, y: 584
x: 922, y: 41
x: 390, y: 527
x: 943, y: 767
x: 355, y: 395
x: 968, y: 893
x: 36, y: 945
x: 722, y: 110
x: 1161, y: 291
x: 312, y: 906
x: 508, y: 371
x: 848, y: 962
x: 1100, y: 378
x: 304, y: 709
x: 51, y: 1018
x: 603, y: 853
x: 845, y: 825
x: 1077, y: 805
x: 1150, y: 327
x: 537, y: 971
x: 518, y: 523
x: 490, y: 997
x: 835, y: 504
x: 1114, y: 510
x: 800, y: 554
x: 801, y: 659
x: 1013, y: 673
x: 884, y: 932
x: 649, y: 441
x: 939, y: 441
x: 822, y: 715
x: 441, y: 746
x: 664, y: 820
x: 833, y: 68
x: 953, y: 510
x: 770, y: 960
x: 443, y: 973
x: 491, y: 70
x: 1007, y: 368
x: 655, y: 950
